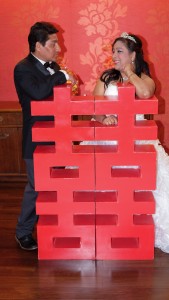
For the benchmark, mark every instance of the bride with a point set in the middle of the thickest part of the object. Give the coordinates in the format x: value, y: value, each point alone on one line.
x: 130, y: 66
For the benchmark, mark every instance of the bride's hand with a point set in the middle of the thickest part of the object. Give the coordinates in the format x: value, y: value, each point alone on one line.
x: 109, y: 120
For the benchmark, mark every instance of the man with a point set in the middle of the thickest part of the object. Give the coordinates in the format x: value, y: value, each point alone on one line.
x: 35, y: 81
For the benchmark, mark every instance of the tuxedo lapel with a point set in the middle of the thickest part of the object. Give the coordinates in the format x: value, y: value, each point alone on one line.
x: 42, y: 68
x: 38, y: 64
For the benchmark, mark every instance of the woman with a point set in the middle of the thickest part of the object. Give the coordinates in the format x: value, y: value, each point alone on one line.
x: 130, y: 66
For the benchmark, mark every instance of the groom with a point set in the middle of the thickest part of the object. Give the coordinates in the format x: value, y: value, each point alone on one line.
x: 34, y: 80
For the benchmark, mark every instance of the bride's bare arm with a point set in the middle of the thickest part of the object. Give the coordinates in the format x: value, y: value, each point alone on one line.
x: 99, y: 88
x: 144, y: 85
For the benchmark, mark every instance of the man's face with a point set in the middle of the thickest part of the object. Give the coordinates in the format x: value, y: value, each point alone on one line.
x: 50, y: 50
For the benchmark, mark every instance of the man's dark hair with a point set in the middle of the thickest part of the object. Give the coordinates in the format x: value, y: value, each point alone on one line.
x: 40, y: 32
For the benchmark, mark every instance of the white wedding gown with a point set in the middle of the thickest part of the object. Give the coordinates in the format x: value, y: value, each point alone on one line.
x: 161, y: 194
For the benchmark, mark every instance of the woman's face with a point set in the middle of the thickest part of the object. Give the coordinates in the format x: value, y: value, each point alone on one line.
x: 121, y: 56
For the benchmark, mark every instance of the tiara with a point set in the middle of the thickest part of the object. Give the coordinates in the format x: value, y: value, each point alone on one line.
x: 125, y: 35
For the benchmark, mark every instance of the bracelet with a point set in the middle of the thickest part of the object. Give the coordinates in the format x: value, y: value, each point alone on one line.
x: 131, y: 75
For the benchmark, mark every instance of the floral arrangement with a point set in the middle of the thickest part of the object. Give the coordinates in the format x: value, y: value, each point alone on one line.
x: 74, y: 82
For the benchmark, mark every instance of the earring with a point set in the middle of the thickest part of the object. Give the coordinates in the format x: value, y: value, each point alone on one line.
x: 132, y: 61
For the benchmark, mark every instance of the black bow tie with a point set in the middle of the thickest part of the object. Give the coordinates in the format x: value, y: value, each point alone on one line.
x: 49, y: 65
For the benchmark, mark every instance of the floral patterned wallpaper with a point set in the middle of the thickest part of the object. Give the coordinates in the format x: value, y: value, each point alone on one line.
x: 86, y: 31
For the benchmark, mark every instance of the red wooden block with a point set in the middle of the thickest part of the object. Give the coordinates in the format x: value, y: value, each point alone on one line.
x: 65, y: 242
x: 135, y: 242
x: 98, y: 202
x: 51, y: 174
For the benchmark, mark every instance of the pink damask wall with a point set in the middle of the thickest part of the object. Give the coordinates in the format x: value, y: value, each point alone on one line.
x: 87, y: 28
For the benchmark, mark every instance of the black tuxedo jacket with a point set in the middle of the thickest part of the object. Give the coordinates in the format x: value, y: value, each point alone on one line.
x: 33, y: 82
